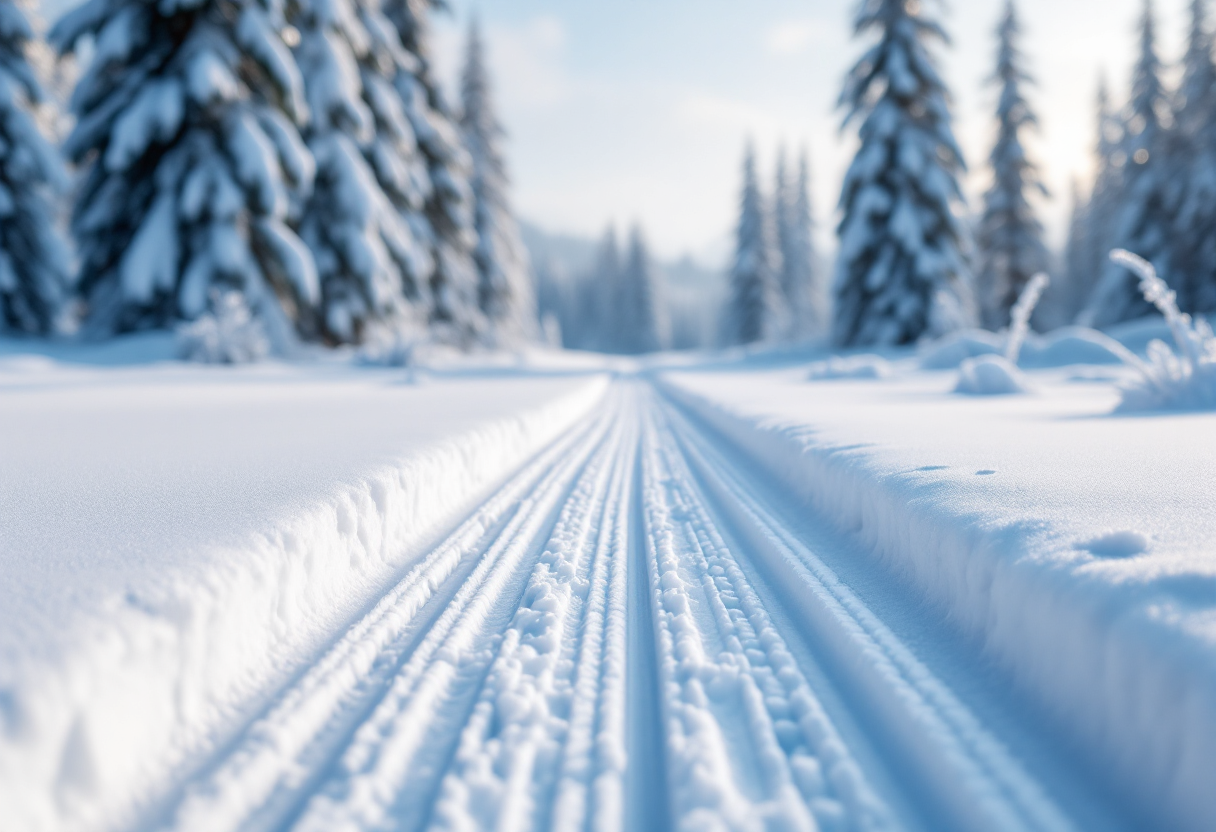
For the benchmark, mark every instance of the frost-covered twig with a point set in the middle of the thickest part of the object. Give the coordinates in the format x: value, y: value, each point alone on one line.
x: 1019, y: 315
x: 1186, y: 379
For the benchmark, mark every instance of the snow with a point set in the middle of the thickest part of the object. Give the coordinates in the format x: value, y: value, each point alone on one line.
x: 178, y: 539
x: 1072, y: 545
x: 990, y: 375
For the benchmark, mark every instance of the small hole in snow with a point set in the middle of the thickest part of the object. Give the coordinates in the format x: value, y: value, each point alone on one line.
x: 932, y: 468
x: 984, y: 472
x: 1117, y: 544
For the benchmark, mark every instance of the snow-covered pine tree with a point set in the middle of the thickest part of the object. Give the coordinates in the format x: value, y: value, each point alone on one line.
x: 901, y: 271
x: 1142, y: 224
x: 35, y: 270
x: 506, y: 293
x: 1102, y: 207
x: 1192, y: 241
x: 186, y: 123
x: 1066, y: 296
x: 453, y: 284
x: 792, y: 206
x: 370, y: 179
x: 755, y: 302
x: 1010, y: 236
x: 641, y: 325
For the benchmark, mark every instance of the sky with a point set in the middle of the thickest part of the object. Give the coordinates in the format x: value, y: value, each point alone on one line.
x: 638, y: 110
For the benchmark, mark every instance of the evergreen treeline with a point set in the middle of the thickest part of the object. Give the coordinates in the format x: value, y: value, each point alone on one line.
x: 295, y: 159
x: 297, y: 162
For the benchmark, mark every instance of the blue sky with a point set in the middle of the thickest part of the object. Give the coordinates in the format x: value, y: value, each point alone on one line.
x: 638, y: 109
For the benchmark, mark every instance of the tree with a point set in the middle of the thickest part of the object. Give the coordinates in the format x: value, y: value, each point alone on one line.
x: 795, y: 225
x: 1102, y: 207
x: 186, y: 126
x: 1143, y: 220
x: 361, y: 220
x: 35, y: 270
x: 640, y: 325
x: 901, y: 272
x: 1010, y: 236
x: 1192, y: 243
x: 506, y: 295
x: 1067, y: 295
x: 753, y: 311
x: 453, y: 282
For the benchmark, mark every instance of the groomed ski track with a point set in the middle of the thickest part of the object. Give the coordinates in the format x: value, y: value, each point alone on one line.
x: 633, y: 633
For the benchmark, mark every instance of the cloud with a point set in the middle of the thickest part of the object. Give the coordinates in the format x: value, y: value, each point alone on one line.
x: 792, y: 37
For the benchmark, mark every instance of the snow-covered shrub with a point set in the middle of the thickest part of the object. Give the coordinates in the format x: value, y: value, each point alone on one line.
x: 853, y: 366
x: 228, y: 334
x: 1184, y: 380
x: 1019, y: 316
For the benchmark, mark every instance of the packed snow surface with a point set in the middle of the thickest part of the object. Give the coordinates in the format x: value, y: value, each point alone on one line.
x: 576, y: 593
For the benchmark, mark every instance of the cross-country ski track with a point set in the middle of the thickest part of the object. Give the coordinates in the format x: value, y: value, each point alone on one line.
x: 637, y: 632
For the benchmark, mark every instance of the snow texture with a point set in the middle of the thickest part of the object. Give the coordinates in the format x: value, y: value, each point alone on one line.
x: 506, y: 293
x: 901, y: 272
x: 236, y: 533
x: 35, y: 262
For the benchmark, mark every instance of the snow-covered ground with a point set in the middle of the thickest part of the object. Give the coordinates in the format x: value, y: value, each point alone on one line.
x: 753, y: 591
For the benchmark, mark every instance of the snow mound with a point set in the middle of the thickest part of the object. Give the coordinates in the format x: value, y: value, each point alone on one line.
x: 1073, y: 345
x: 990, y: 375
x: 949, y: 352
x: 1118, y: 544
x: 1185, y: 380
x: 853, y: 366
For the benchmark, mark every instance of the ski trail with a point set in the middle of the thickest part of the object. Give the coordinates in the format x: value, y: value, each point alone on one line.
x: 270, y: 769
x: 967, y: 775
x: 470, y: 733
x: 748, y: 742
x: 624, y: 637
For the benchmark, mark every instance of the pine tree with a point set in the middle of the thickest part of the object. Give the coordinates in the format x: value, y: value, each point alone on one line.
x: 505, y: 292
x: 186, y: 124
x: 901, y: 272
x: 1071, y: 290
x: 1192, y: 241
x: 1010, y: 236
x: 795, y: 226
x: 358, y: 221
x: 1105, y: 198
x: 753, y: 314
x: 35, y: 271
x: 641, y: 322
x: 453, y: 282
x: 1143, y: 220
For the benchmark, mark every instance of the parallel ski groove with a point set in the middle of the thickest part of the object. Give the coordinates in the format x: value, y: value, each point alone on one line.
x: 984, y: 787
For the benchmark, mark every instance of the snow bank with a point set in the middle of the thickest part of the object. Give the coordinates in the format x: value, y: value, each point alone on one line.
x: 177, y: 542
x: 1075, y: 548
x: 1059, y: 348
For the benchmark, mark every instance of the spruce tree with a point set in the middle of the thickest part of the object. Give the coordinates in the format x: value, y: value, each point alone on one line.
x: 1193, y: 243
x: 1070, y: 291
x: 358, y: 221
x: 641, y: 322
x: 505, y: 292
x: 1142, y: 224
x: 35, y: 270
x: 186, y: 125
x: 1010, y: 236
x: 755, y: 292
x: 795, y: 226
x: 453, y: 282
x: 1105, y: 197
x: 901, y: 272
